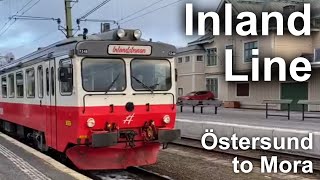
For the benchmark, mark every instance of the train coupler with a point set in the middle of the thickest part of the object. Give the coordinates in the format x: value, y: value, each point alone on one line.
x: 129, y: 136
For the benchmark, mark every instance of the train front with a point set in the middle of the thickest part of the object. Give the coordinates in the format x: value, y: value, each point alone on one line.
x: 127, y: 96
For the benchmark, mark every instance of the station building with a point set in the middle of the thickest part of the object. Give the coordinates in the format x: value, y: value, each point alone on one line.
x: 201, y: 65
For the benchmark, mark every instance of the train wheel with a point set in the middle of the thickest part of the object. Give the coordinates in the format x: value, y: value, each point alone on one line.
x: 38, y: 140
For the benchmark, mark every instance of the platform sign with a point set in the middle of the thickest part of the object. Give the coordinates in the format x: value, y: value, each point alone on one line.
x: 129, y: 50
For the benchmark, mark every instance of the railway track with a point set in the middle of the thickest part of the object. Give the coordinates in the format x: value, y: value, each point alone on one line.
x: 252, y: 154
x: 132, y: 173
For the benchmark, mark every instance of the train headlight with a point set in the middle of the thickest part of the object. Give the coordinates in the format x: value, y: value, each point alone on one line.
x: 91, y: 122
x: 121, y: 33
x: 137, y: 34
x: 166, y: 119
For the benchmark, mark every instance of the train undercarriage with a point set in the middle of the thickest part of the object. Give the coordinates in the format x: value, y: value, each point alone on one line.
x: 107, y: 150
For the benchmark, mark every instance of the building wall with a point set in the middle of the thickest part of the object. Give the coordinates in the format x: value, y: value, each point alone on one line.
x: 314, y: 88
x: 289, y: 47
x: 222, y: 86
x: 184, y: 83
x: 220, y: 43
x: 200, y: 82
x: 258, y: 91
x: 191, y: 74
x: 315, y: 39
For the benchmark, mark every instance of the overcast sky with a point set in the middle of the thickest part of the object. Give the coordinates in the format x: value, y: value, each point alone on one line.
x: 23, y: 37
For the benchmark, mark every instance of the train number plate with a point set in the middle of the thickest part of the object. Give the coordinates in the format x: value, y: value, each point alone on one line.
x: 129, y: 50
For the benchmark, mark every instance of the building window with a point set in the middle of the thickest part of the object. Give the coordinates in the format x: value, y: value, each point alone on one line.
x: 187, y: 59
x: 11, y: 85
x: 243, y: 89
x: 180, y: 60
x: 212, y: 57
x: 180, y: 91
x: 66, y: 87
x: 212, y: 85
x: 30, y: 83
x: 199, y: 58
x: 19, y: 84
x: 248, y: 50
x: 4, y: 86
x: 317, y: 55
x: 40, y: 81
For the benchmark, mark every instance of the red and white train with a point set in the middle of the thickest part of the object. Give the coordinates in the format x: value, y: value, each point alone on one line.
x: 106, y: 101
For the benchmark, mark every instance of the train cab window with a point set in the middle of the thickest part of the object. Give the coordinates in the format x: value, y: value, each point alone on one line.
x: 19, y: 84
x: 4, y: 86
x: 66, y: 77
x: 30, y: 83
x: 103, y: 75
x: 47, y: 81
x: 147, y: 75
x: 40, y: 81
x: 11, y: 85
x: 52, y: 81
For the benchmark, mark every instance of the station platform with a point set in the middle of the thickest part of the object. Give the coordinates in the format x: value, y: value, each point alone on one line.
x: 249, y: 123
x: 20, y: 162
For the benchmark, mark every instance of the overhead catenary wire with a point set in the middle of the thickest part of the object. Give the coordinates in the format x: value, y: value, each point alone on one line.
x: 136, y: 12
x: 15, y: 20
x: 37, y: 18
x: 34, y: 4
x: 24, y: 6
x: 152, y: 11
x: 7, y: 22
x: 45, y: 35
x: 95, y: 9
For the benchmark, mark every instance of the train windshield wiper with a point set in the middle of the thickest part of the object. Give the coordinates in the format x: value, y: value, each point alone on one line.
x: 112, y: 83
x: 150, y: 88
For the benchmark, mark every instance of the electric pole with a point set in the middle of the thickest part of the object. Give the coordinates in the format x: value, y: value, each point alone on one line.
x: 68, y: 7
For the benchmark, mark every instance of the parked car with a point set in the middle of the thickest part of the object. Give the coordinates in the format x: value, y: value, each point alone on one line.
x: 198, y: 95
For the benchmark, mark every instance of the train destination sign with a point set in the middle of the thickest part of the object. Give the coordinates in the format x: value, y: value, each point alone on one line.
x: 129, y: 49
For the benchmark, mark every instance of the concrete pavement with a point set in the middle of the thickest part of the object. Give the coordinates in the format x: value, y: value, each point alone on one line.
x: 249, y: 123
x: 20, y: 162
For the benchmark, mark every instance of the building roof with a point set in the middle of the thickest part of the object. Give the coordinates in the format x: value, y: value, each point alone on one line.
x: 259, y: 6
x: 190, y: 49
x: 208, y: 38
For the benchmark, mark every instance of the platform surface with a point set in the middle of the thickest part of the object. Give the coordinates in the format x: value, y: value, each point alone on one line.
x: 252, y: 118
x: 17, y: 163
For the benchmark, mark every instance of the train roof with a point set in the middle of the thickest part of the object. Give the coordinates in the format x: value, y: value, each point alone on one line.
x: 64, y: 47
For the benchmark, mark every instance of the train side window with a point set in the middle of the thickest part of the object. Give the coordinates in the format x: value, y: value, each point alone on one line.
x: 11, y: 85
x: 66, y: 77
x: 30, y: 83
x: 40, y: 81
x: 19, y: 84
x: 4, y: 86
x: 47, y: 81
x: 52, y: 81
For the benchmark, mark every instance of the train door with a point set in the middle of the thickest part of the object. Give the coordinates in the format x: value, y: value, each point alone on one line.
x: 50, y: 95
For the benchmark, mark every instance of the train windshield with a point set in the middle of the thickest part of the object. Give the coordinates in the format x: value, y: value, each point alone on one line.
x: 153, y: 75
x: 103, y: 75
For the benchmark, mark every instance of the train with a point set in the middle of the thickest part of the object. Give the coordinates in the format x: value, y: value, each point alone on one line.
x: 105, y: 101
